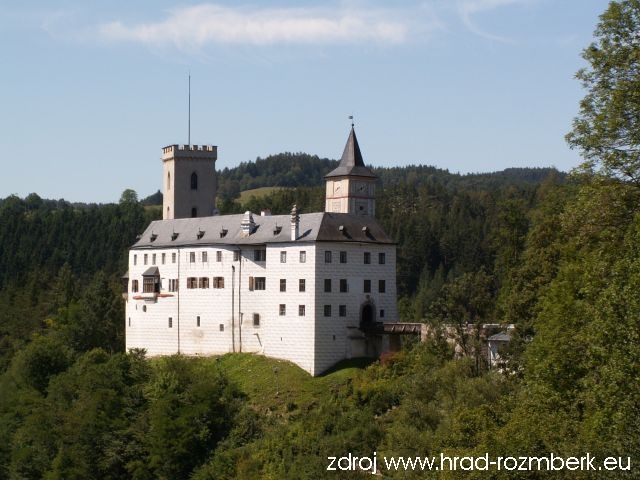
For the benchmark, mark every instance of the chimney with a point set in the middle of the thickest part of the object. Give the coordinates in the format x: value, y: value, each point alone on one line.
x: 248, y: 225
x: 295, y: 223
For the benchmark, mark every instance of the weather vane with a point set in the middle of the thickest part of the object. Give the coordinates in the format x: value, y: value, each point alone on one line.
x: 351, y: 118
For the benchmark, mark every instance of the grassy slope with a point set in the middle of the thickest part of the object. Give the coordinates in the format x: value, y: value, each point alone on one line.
x: 276, y: 385
x: 257, y: 192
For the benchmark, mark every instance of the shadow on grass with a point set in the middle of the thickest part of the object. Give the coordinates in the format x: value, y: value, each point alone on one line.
x: 360, y: 363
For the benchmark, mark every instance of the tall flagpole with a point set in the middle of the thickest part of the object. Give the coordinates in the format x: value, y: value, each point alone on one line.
x: 189, y: 129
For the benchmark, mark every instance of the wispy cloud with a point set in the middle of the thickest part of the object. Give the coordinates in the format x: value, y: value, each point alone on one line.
x: 469, y: 8
x: 195, y: 27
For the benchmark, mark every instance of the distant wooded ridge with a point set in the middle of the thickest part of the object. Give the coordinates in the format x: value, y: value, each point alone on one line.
x: 304, y: 170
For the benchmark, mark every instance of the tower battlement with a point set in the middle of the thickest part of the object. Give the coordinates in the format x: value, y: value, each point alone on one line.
x: 190, y: 151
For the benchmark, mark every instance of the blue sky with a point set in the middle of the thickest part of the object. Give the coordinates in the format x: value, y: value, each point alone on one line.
x: 91, y: 90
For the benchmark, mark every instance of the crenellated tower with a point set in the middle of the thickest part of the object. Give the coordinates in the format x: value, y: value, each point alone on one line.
x: 189, y: 181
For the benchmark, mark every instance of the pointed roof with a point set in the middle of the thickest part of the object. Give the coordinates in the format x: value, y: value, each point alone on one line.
x: 351, y: 162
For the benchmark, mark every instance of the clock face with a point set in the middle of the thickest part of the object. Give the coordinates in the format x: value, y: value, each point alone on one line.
x: 361, y: 187
x: 336, y: 188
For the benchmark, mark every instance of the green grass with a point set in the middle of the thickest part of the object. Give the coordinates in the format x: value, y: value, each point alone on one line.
x: 258, y: 193
x: 279, y: 386
x: 154, y: 208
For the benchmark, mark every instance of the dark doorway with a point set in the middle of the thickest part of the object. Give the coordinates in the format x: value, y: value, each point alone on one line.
x: 366, y: 317
x: 194, y: 212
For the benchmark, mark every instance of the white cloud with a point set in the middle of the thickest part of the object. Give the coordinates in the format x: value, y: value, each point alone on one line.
x: 468, y: 8
x: 198, y: 26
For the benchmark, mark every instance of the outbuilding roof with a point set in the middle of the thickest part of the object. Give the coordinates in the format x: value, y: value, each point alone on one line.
x: 500, y: 337
x: 228, y: 230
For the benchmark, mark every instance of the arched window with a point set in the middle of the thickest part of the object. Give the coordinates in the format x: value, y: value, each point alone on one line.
x: 194, y: 181
x: 194, y: 212
x: 168, y: 180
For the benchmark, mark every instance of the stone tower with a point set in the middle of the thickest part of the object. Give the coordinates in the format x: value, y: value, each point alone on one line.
x: 351, y: 188
x: 189, y: 181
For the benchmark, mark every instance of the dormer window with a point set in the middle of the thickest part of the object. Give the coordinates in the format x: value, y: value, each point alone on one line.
x: 154, y: 236
x: 223, y: 233
x: 277, y: 230
x: 200, y: 234
x: 174, y: 235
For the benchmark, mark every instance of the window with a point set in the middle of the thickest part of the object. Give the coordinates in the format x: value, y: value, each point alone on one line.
x: 302, y: 285
x: 135, y: 259
x: 194, y: 212
x: 257, y: 283
x: 170, y: 322
x: 382, y: 258
x: 129, y: 321
x: 164, y: 258
x: 283, y: 284
x: 303, y: 256
x: 367, y: 286
x: 259, y: 255
x: 256, y: 319
x: 204, y: 257
x: 168, y: 180
x: 344, y: 287
x: 134, y: 285
x: 222, y: 327
x: 197, y: 321
x: 145, y: 258
x: 327, y: 284
x: 382, y: 313
x: 173, y: 285
x: 301, y: 310
x: 194, y: 181
x: 367, y: 258
x: 327, y: 310
x: 173, y: 258
x: 192, y: 257
x: 150, y: 284
x: 203, y: 282
x: 192, y: 282
x: 283, y: 257
x: 342, y: 310
x: 283, y: 309
x: 153, y: 259
x: 382, y: 286
x: 327, y: 256
x: 343, y: 257
x: 218, y: 256
x: 236, y: 255
x: 218, y: 282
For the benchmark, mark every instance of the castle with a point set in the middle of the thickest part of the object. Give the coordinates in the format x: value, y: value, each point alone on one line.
x: 304, y: 287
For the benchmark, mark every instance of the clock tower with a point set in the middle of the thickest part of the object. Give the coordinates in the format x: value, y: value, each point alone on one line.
x: 351, y: 187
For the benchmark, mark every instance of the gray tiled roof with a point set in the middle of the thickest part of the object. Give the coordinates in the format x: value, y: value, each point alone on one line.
x: 314, y: 227
x: 351, y: 162
x: 151, y: 272
x: 500, y: 337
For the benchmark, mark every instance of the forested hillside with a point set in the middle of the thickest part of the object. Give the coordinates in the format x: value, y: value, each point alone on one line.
x: 558, y: 257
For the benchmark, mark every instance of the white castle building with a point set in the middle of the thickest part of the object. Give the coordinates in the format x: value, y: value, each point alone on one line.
x: 301, y: 287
